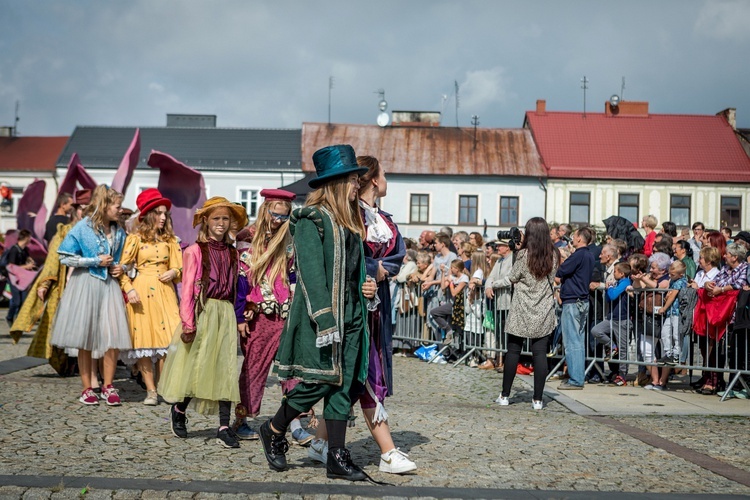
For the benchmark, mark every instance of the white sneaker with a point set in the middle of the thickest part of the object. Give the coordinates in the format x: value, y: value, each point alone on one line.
x: 152, y: 398
x: 502, y: 401
x: 396, y: 462
x: 537, y: 405
x: 318, y: 451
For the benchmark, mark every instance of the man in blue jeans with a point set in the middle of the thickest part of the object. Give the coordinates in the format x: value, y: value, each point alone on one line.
x: 574, y: 276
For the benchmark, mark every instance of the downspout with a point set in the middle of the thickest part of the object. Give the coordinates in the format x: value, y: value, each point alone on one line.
x: 544, y: 188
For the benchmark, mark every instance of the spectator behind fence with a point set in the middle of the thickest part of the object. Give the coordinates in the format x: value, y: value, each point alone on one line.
x: 726, y: 232
x: 465, y: 251
x: 733, y: 276
x: 670, y: 330
x: 574, y: 276
x: 476, y: 239
x: 663, y: 244
x: 696, y: 242
x: 649, y: 226
x: 427, y: 241
x: 564, y: 233
x: 684, y: 253
x: 658, y: 277
x: 669, y: 228
x: 532, y: 309
x: 498, y: 289
x: 475, y: 304
x: 716, y: 239
x: 614, y: 331
x: 450, y: 316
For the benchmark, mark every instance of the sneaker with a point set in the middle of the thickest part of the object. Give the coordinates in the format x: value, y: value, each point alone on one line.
x: 152, y: 398
x: 553, y: 352
x: 537, y: 405
x: 88, y: 397
x: 302, y: 437
x: 556, y: 376
x: 664, y: 360
x: 502, y: 400
x: 657, y: 387
x: 227, y: 438
x: 396, y: 462
x: 567, y: 386
x: 245, y: 432
x: 651, y: 386
x: 110, y: 396
x: 595, y: 379
x: 620, y: 381
x: 473, y: 363
x: 448, y: 338
x: 318, y: 450
x: 178, y: 422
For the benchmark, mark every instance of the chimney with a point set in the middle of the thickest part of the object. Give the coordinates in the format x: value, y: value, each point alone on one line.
x: 415, y: 119
x: 730, y: 115
x: 541, y: 106
x: 627, y: 108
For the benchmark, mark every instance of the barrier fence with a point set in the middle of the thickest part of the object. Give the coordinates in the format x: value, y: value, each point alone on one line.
x: 646, y: 338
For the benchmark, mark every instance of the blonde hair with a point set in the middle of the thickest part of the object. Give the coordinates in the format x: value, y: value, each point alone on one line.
x: 650, y: 221
x: 102, y: 198
x: 203, y: 231
x: 272, y: 255
x: 334, y: 196
x: 148, y: 229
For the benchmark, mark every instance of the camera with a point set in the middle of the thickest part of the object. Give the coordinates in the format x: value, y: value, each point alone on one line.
x: 513, y: 234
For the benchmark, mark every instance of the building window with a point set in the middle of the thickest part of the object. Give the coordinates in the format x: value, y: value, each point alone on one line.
x: 509, y: 210
x: 419, y: 208
x: 679, y: 209
x: 731, y: 208
x: 467, y: 209
x: 249, y: 200
x: 628, y: 206
x: 580, y: 204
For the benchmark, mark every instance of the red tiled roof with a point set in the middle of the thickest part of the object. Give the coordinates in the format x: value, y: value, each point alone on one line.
x: 430, y: 150
x: 693, y: 148
x: 30, y: 154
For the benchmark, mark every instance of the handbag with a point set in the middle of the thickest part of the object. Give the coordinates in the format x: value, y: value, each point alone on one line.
x: 651, y: 302
x: 489, y: 320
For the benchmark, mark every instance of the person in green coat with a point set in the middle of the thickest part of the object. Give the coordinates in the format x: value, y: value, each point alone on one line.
x: 325, y: 343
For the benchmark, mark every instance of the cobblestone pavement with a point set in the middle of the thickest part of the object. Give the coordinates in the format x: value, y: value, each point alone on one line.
x: 443, y: 417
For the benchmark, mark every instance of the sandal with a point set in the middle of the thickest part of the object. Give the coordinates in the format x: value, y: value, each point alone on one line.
x: 708, y: 389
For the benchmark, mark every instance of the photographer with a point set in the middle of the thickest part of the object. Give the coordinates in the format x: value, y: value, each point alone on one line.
x: 532, y: 308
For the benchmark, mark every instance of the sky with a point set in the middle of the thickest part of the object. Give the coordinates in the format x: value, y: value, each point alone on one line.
x: 268, y: 64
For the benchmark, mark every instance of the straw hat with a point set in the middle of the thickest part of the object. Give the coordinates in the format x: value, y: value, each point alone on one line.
x: 237, y: 211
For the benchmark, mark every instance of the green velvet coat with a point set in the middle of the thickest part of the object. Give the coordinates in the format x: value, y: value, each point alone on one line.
x: 310, y: 349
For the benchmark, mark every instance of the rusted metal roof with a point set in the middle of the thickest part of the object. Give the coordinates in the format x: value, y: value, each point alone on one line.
x: 30, y: 154
x: 431, y: 150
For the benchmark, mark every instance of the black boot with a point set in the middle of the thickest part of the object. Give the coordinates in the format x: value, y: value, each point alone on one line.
x: 340, y: 466
x: 275, y: 447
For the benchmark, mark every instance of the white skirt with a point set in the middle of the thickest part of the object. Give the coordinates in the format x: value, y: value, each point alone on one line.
x: 91, y: 315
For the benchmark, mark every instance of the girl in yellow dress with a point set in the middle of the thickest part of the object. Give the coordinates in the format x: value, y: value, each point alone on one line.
x: 153, y: 254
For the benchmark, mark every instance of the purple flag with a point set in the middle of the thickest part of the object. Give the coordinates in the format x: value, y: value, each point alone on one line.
x: 185, y: 188
x: 76, y: 176
x: 31, y: 213
x: 124, y: 172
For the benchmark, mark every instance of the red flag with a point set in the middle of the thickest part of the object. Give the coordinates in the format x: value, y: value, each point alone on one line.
x: 124, y: 172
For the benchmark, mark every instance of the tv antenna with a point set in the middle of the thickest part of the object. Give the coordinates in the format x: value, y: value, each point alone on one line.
x: 16, y: 120
x: 584, y: 86
x: 622, y: 89
x: 475, y: 122
x: 330, y: 88
x: 455, y: 84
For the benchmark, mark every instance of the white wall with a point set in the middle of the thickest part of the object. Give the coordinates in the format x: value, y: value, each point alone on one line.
x: 444, y: 192
x: 18, y: 181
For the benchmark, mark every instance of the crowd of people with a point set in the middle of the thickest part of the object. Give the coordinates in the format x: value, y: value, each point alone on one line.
x: 603, y: 293
x: 306, y: 290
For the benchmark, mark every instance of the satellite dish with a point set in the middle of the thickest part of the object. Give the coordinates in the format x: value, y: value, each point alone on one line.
x: 614, y: 100
x: 383, y: 119
x: 382, y: 105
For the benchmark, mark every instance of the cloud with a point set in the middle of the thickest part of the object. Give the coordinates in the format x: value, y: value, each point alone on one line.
x: 484, y: 88
x: 726, y: 20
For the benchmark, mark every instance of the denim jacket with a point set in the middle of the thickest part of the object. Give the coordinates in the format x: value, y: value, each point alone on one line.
x: 83, y: 245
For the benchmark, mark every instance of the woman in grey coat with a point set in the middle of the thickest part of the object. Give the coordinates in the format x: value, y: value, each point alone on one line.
x: 532, y: 309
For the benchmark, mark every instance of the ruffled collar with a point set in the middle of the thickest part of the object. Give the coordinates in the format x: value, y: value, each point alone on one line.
x: 377, y: 228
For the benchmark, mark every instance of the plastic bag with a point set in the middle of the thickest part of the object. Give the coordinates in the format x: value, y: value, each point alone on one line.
x: 426, y: 352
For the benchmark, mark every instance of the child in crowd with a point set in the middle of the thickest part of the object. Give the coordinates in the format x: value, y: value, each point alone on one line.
x: 670, y: 330
x: 451, y: 314
x: 91, y: 314
x: 201, y: 366
x: 614, y: 331
x: 475, y: 302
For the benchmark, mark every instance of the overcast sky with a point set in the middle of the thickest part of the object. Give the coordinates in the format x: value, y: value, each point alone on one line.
x: 267, y: 64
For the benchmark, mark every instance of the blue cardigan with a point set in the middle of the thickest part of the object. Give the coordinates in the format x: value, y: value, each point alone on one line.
x: 83, y: 245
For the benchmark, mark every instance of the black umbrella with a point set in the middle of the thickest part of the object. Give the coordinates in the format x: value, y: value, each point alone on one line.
x: 621, y: 228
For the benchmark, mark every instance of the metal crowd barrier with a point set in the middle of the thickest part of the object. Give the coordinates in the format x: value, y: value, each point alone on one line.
x: 646, y: 335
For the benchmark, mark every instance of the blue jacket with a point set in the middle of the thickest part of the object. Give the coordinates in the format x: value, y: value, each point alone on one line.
x: 83, y: 245
x: 618, y: 310
x: 575, y: 276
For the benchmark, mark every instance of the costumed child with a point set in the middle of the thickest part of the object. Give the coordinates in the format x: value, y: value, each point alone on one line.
x: 325, y: 342
x: 91, y: 314
x: 153, y: 252
x: 44, y: 297
x: 201, y: 367
x: 262, y: 304
x: 384, y: 253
